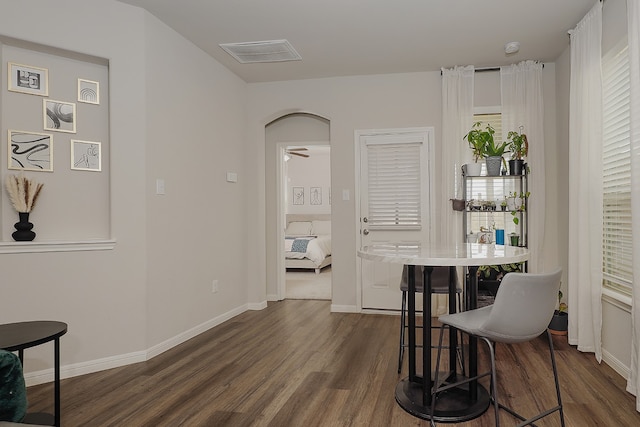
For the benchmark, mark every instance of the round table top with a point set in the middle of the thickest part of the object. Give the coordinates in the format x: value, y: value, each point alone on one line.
x: 21, y: 335
x: 461, y: 254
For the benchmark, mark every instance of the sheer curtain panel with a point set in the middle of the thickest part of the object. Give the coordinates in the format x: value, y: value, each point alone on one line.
x: 522, y: 105
x: 457, y: 118
x: 633, y: 14
x: 585, y: 185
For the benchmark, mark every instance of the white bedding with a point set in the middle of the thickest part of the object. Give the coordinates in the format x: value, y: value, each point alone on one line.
x: 317, y: 249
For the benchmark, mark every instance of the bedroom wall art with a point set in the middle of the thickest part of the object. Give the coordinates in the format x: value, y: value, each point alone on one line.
x: 316, y: 195
x: 30, y: 151
x: 298, y: 195
x: 28, y: 79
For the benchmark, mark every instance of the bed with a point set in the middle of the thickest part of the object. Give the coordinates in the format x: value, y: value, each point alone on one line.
x: 308, y: 244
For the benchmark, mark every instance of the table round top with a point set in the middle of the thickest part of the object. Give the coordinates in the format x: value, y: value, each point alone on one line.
x: 21, y: 335
x: 461, y: 254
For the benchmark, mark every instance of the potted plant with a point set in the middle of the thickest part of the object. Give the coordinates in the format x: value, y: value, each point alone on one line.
x: 493, y: 153
x: 478, y: 138
x: 560, y: 320
x: 518, y: 145
x: 503, y: 204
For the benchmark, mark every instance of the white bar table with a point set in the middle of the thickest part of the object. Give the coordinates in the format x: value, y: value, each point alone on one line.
x: 413, y: 393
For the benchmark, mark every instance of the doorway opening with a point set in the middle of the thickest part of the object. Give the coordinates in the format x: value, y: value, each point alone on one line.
x: 306, y: 211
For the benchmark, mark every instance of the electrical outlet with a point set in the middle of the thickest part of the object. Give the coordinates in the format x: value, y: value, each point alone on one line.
x: 214, y: 286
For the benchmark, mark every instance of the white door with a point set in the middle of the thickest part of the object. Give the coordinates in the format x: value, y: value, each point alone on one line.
x: 395, y: 204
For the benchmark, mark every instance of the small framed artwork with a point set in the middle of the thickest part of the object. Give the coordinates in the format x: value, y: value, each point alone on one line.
x: 30, y: 151
x: 298, y: 195
x: 28, y: 79
x: 86, y: 155
x: 59, y: 116
x: 88, y: 91
x: 316, y: 195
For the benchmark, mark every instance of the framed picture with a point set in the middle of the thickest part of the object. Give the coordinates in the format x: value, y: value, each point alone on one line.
x: 28, y: 79
x: 59, y: 116
x: 88, y: 91
x: 30, y: 151
x: 315, y: 195
x: 86, y: 156
x: 298, y: 195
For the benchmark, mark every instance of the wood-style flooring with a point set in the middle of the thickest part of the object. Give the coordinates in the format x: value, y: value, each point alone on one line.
x: 296, y: 364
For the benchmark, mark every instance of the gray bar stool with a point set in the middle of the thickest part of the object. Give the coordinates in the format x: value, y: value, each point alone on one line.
x: 521, y: 312
x: 439, y: 285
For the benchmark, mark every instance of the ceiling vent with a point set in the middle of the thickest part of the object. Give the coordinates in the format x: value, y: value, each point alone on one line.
x: 266, y: 51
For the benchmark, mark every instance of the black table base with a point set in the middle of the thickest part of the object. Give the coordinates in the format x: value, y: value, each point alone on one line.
x: 452, y: 406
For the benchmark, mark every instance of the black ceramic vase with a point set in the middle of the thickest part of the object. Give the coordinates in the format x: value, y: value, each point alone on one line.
x: 23, y: 227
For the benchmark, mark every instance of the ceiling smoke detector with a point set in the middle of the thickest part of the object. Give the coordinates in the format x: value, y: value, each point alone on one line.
x: 265, y: 51
x: 511, y: 47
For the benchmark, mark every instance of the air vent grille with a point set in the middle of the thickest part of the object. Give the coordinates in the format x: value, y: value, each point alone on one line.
x: 265, y: 51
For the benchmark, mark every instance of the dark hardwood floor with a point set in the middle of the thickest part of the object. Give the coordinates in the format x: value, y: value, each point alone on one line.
x: 297, y: 364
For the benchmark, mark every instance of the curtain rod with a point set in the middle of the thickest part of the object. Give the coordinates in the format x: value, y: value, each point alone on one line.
x: 483, y: 69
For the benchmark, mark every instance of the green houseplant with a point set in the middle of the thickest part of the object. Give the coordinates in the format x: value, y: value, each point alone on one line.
x: 482, y: 142
x: 560, y: 320
x: 477, y: 138
x: 518, y: 145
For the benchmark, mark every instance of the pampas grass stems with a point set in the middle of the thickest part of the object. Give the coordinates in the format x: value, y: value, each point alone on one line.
x: 23, y: 192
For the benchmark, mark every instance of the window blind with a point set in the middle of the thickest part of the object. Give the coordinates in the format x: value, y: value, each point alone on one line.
x: 394, y: 186
x: 617, y: 238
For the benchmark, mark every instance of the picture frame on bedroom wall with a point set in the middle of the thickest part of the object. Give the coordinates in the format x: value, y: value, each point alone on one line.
x: 298, y: 195
x: 315, y: 196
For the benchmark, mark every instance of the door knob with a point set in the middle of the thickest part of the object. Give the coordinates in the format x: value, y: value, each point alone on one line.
x: 365, y: 232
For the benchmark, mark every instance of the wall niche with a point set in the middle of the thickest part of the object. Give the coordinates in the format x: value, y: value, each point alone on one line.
x: 54, y: 119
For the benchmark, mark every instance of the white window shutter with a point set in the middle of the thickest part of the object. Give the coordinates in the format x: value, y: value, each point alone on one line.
x: 394, y: 186
x: 617, y: 237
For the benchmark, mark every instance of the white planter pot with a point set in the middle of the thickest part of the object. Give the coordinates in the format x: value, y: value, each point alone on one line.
x: 473, y: 169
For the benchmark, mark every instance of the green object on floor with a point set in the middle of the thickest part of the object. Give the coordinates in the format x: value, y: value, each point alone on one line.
x: 13, y: 393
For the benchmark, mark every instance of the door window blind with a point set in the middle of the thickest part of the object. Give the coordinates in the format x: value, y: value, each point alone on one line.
x: 617, y: 238
x: 394, y: 186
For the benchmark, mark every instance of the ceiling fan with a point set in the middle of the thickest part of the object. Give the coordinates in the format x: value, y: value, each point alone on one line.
x: 295, y: 151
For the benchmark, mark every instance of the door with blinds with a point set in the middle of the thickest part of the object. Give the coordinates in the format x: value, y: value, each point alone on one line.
x: 395, y: 204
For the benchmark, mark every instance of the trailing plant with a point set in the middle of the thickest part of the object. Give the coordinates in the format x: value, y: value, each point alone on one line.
x: 521, y: 208
x: 498, y: 271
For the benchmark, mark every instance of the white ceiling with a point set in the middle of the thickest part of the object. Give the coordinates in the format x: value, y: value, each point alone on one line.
x: 358, y: 37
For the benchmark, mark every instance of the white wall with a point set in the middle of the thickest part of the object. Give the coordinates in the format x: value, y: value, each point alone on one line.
x: 309, y: 173
x: 365, y: 102
x: 154, y: 289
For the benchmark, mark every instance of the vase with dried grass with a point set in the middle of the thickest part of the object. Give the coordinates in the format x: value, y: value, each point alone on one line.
x: 23, y: 193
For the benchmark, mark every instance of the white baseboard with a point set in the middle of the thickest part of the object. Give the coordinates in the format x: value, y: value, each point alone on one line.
x: 616, y: 364
x: 257, y: 305
x: 272, y: 297
x: 69, y: 371
x: 335, y: 308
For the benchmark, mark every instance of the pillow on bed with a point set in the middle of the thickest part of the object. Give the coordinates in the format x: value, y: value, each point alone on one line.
x: 321, y: 227
x: 298, y: 228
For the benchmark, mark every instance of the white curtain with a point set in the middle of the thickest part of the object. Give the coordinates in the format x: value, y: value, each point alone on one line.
x: 633, y: 14
x: 522, y: 105
x: 585, y: 185
x: 457, y: 118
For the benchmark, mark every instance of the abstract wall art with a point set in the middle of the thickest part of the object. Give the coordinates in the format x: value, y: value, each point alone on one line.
x: 59, y: 116
x: 31, y: 151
